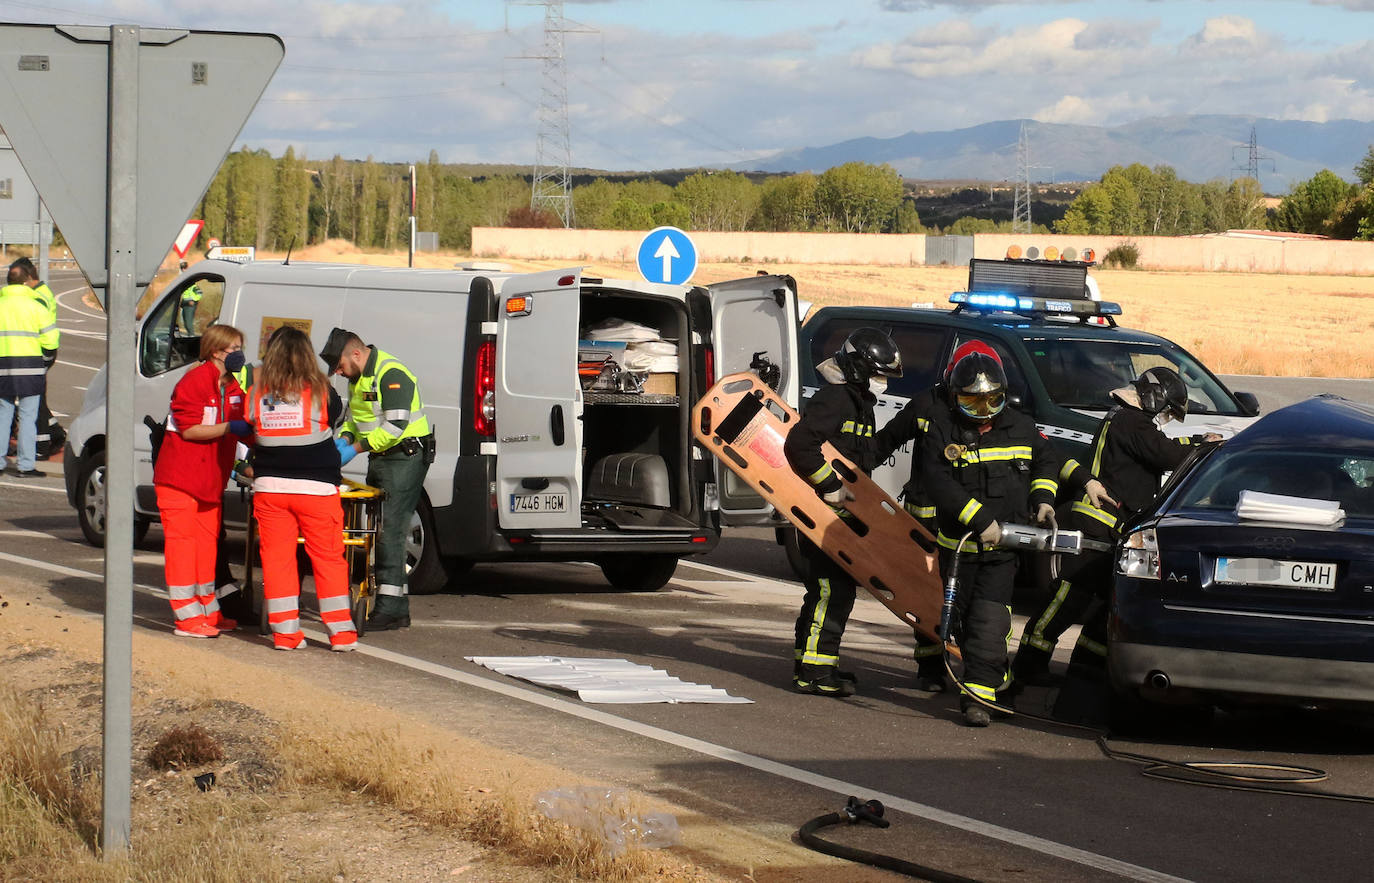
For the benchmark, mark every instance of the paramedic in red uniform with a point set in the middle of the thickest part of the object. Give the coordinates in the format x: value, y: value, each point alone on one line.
x: 189, y: 476
x: 292, y: 410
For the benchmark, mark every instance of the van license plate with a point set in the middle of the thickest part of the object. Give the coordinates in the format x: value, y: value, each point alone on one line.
x: 539, y: 502
x: 1280, y: 574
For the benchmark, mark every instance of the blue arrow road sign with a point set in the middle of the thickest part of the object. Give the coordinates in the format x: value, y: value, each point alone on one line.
x: 667, y: 255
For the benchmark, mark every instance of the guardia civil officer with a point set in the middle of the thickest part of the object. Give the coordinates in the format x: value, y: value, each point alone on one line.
x: 841, y: 412
x: 386, y: 420
x: 1130, y: 454
x: 984, y: 464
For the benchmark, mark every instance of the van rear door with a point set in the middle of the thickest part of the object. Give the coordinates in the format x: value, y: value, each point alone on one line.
x: 538, y: 431
x: 753, y: 315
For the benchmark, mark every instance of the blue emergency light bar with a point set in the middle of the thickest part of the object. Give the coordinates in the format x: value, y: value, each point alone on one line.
x: 997, y: 301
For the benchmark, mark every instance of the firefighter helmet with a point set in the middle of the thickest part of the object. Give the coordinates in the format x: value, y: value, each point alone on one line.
x: 1161, y: 389
x: 866, y: 352
x: 978, y: 385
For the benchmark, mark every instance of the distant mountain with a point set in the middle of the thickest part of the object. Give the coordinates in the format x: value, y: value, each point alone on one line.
x: 1199, y: 148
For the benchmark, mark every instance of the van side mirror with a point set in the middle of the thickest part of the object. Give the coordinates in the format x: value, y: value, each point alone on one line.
x: 1248, y: 403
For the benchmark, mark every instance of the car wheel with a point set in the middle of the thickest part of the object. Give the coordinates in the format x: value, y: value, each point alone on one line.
x: 90, y: 504
x: 789, y: 537
x: 423, y: 567
x: 638, y: 573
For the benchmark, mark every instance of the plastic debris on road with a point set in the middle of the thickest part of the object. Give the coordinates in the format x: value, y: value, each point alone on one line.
x: 607, y: 813
x: 605, y: 681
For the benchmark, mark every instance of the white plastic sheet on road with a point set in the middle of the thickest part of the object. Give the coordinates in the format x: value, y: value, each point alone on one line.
x: 604, y: 681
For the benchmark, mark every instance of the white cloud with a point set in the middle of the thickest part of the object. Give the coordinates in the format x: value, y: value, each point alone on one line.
x: 1069, y: 109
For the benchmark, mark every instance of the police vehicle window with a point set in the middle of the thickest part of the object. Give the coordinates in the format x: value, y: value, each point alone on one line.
x: 1321, y: 475
x: 1016, y: 380
x: 171, y: 333
x: 1080, y: 373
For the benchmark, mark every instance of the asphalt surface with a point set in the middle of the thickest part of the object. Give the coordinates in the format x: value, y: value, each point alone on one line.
x: 1018, y: 801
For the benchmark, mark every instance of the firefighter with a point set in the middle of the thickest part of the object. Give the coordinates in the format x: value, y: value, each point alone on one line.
x: 386, y: 419
x: 984, y: 464
x: 841, y: 413
x: 1130, y: 454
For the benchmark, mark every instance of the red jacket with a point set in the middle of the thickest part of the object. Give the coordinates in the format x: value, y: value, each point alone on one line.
x: 200, y: 468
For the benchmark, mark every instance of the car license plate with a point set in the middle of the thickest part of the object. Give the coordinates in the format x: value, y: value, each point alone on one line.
x: 1272, y: 572
x: 539, y: 502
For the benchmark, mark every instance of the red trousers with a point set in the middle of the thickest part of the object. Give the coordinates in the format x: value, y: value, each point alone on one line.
x: 319, y: 520
x: 189, y: 528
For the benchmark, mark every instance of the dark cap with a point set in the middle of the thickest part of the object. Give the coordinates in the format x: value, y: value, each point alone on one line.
x: 334, y: 347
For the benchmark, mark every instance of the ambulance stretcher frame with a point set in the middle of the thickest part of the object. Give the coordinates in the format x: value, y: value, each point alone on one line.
x: 744, y: 424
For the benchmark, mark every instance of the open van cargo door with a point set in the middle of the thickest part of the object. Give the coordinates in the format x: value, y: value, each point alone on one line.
x: 757, y: 314
x: 538, y: 433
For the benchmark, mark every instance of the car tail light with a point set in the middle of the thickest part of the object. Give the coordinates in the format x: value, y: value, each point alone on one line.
x: 484, y: 390
x: 710, y: 356
x: 1140, y: 555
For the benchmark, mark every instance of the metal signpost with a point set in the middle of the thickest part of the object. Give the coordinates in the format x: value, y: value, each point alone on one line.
x: 667, y: 255
x: 87, y: 110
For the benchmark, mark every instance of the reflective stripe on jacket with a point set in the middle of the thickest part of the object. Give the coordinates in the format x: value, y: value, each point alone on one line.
x: 375, y: 415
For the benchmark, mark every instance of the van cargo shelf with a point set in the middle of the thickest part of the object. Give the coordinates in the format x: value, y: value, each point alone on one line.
x: 627, y: 398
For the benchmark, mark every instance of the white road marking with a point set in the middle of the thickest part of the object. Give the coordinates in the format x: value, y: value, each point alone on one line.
x: 658, y: 734
x: 34, y: 487
x: 61, y: 299
x: 77, y: 365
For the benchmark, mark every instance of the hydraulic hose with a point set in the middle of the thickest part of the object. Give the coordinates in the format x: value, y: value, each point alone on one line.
x: 870, y: 811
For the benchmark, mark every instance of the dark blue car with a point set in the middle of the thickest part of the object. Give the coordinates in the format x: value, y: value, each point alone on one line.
x: 1225, y: 595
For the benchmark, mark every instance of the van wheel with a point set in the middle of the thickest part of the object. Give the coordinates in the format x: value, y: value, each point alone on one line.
x: 90, y: 504
x: 639, y: 573
x: 788, y: 537
x: 423, y: 566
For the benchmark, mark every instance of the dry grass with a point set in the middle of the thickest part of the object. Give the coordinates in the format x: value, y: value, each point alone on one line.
x: 421, y: 783
x: 49, y: 818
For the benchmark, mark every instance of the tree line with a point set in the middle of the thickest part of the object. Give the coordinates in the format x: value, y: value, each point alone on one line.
x: 273, y: 203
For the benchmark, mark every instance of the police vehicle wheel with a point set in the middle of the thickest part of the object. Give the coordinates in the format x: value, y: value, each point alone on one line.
x: 90, y: 504
x: 638, y: 573
x: 423, y: 565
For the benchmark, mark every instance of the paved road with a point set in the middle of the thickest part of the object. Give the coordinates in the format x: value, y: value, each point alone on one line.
x: 1019, y: 801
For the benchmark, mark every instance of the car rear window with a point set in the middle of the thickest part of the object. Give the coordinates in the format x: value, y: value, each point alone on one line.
x: 1080, y: 373
x: 1320, y: 475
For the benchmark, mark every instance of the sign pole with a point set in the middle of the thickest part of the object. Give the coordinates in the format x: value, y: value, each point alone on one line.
x: 120, y: 304
x: 411, y: 261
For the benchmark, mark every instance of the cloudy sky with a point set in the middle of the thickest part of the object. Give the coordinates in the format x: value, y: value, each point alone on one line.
x: 666, y: 83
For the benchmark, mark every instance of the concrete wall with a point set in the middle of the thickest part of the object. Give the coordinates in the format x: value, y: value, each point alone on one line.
x: 621, y: 245
x: 1236, y: 254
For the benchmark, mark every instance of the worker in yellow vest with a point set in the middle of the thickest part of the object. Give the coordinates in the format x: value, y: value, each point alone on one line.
x: 50, y: 436
x: 28, y: 345
x: 386, y: 420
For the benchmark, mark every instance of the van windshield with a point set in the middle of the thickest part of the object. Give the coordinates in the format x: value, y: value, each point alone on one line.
x: 1082, y: 373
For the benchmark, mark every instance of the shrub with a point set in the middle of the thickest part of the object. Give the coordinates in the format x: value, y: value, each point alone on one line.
x: 184, y: 747
x: 1126, y: 256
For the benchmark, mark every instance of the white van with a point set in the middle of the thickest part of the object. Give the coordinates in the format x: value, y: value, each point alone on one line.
x: 530, y: 466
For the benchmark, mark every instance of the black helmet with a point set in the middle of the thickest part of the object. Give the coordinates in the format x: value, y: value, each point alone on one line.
x: 978, y: 386
x: 868, y: 351
x: 1161, y: 389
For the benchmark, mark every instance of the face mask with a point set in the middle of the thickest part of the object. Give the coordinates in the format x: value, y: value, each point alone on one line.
x: 233, y: 363
x: 878, y: 384
x: 1162, y: 418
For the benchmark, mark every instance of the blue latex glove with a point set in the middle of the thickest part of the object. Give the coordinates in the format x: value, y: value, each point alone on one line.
x: 346, y: 450
x: 240, y: 428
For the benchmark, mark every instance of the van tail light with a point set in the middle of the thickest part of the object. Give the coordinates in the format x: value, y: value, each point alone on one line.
x: 710, y: 354
x: 484, y: 390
